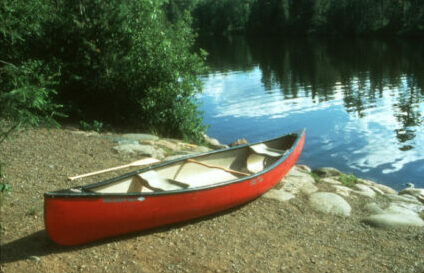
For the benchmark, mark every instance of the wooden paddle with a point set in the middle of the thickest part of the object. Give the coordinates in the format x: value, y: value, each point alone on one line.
x: 145, y: 161
x: 217, y: 167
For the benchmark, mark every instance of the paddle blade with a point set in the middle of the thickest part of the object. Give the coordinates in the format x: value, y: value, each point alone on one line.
x: 145, y: 161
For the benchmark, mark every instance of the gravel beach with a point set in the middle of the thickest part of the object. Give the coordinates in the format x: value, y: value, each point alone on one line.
x: 264, y: 235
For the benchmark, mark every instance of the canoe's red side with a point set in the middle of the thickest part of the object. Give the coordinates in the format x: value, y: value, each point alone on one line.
x: 72, y: 221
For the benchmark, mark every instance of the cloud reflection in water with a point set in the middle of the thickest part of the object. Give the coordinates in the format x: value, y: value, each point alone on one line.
x: 357, y: 133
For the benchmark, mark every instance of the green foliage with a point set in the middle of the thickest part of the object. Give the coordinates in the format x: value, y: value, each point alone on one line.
x: 4, y: 185
x: 348, y: 180
x: 32, y: 211
x: 94, y: 126
x: 128, y: 63
x: 222, y: 17
x: 316, y: 177
x: 330, y: 17
x: 27, y: 93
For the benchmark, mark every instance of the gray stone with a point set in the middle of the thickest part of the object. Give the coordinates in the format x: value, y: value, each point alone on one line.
x: 121, y: 141
x: 201, y: 149
x: 135, y: 148
x: 140, y: 137
x: 140, y: 150
x: 296, y: 180
x: 373, y: 208
x: 330, y: 180
x: 239, y: 142
x: 172, y: 146
x: 403, y: 198
x: 393, y: 220
x: 383, y: 188
x: 377, y: 190
x: 327, y: 172
x: 364, y: 190
x: 342, y: 190
x: 329, y: 203
x: 280, y: 195
x: 416, y: 192
x: 214, y: 143
x: 304, y: 168
x: 35, y: 258
x: 400, y: 208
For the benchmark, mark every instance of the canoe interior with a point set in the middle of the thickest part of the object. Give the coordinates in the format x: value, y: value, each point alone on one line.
x: 209, y: 169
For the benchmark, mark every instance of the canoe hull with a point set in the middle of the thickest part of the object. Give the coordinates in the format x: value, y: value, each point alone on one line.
x: 78, y: 220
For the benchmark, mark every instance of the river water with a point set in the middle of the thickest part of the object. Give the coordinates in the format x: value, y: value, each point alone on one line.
x: 360, y: 100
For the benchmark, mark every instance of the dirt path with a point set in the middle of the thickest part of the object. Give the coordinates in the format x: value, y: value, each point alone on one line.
x: 262, y: 236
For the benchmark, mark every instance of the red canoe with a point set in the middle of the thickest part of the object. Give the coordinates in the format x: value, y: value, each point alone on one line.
x: 169, y: 192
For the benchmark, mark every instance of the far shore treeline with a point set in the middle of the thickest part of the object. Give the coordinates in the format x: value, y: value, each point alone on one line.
x: 133, y: 63
x: 319, y: 17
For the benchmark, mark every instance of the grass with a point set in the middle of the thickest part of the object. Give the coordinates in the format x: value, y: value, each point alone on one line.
x: 32, y: 211
x: 315, y: 177
x: 348, y: 180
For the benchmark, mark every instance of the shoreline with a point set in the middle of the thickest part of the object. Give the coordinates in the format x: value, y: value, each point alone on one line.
x: 312, y: 221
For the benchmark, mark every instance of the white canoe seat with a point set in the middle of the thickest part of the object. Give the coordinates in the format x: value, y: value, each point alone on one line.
x: 263, y: 149
x: 152, y: 180
x: 255, y: 163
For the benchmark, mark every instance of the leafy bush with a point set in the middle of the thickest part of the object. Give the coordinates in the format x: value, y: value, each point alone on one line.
x: 122, y: 62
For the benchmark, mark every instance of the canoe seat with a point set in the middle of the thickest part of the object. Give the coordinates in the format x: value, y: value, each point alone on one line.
x: 153, y: 181
x: 255, y: 162
x: 263, y: 149
x: 261, y: 157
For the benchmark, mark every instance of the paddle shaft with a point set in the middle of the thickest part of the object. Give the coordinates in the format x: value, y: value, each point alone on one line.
x: 217, y: 167
x: 135, y: 163
x: 99, y: 172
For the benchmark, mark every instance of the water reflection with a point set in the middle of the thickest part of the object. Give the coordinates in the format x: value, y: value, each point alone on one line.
x: 361, y: 100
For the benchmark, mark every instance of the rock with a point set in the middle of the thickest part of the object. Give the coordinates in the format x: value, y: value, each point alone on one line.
x: 393, y: 220
x: 377, y: 190
x: 297, y: 181
x: 416, y: 192
x: 410, y: 185
x: 329, y: 203
x: 342, y: 190
x: 140, y: 137
x: 404, y: 208
x: 35, y: 258
x: 121, y: 141
x: 171, y: 146
x: 403, y: 198
x: 304, y: 168
x: 140, y: 150
x: 239, y: 142
x: 330, y: 180
x: 214, y: 143
x: 381, y: 187
x: 373, y: 208
x: 327, y: 172
x: 280, y: 195
x: 364, y: 190
x: 201, y: 149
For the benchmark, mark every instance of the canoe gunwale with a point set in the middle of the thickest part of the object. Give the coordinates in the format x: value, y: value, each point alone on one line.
x: 84, y: 194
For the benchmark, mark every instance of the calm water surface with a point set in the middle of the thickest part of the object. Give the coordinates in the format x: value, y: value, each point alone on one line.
x: 361, y: 101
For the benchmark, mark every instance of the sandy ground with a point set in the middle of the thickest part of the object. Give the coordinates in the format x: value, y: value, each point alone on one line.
x: 261, y: 236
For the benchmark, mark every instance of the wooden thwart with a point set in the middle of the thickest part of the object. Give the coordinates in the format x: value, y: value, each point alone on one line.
x: 217, y: 167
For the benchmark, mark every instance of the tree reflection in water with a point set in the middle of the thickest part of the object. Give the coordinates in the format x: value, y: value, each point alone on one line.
x: 362, y: 70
